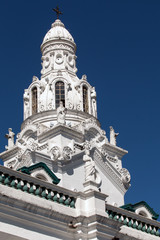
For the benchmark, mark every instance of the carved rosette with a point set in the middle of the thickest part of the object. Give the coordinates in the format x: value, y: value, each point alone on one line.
x: 42, y: 108
x: 78, y: 107
x: 50, y: 106
x: 70, y: 105
x: 55, y: 153
x: 67, y: 153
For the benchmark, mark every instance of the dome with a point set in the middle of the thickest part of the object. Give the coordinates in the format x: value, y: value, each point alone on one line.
x: 58, y: 31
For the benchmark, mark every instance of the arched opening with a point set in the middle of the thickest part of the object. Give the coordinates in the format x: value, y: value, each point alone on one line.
x: 34, y: 100
x: 41, y: 177
x: 59, y: 93
x: 142, y: 213
x: 85, y: 99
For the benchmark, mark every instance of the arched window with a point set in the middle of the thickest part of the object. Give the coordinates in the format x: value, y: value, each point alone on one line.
x: 59, y: 93
x: 142, y: 213
x: 41, y: 177
x: 34, y: 100
x: 85, y: 99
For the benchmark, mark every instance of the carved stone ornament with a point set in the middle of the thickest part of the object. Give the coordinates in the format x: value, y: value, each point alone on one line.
x: 34, y: 79
x: 59, y: 73
x: 59, y: 58
x: 20, y: 153
x: 84, y: 77
x: 104, y: 152
x: 71, y: 61
x: 103, y: 132
x: 42, y: 108
x: 42, y: 87
x: 87, y: 145
x: 78, y: 107
x: 76, y: 97
x: 91, y: 120
x: 108, y: 157
x: 11, y: 164
x: 32, y: 145
x: 46, y: 62
x: 126, y: 177
x: 70, y: 105
x: 26, y: 160
x: 112, y: 159
x: 55, y: 153
x: 67, y: 153
x: 50, y: 106
x: 26, y: 97
x: 28, y: 122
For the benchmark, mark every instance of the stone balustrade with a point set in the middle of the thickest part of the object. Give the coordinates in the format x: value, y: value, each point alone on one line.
x: 31, y: 185
x: 133, y: 220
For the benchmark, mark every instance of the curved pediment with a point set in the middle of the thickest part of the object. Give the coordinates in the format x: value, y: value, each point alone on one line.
x: 40, y: 171
x: 27, y: 132
x: 141, y: 208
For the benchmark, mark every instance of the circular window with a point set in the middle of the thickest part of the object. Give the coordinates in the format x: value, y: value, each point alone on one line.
x: 70, y: 61
x: 59, y: 59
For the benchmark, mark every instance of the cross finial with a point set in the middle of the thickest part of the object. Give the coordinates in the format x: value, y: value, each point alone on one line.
x: 58, y: 12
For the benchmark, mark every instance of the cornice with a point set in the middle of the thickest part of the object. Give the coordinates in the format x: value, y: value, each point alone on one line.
x: 132, y: 215
x: 9, y: 153
x: 60, y: 129
x: 115, y: 149
x: 106, y: 167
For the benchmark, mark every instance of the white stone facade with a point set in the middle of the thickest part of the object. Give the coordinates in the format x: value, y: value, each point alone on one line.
x: 57, y: 136
x: 61, y: 129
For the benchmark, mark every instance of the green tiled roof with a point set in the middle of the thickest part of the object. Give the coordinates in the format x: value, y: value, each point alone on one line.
x: 28, y: 170
x: 133, y: 207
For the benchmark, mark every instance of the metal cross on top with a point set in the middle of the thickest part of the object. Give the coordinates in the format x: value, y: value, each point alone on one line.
x: 58, y: 12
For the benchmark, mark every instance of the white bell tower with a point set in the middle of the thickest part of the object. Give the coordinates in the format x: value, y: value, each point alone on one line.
x: 61, y: 129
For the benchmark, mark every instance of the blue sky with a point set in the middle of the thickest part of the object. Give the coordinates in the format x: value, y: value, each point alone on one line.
x: 118, y: 48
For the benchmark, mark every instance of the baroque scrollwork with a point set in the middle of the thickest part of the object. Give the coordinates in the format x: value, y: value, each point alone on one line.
x: 42, y: 108
x: 126, y: 177
x: 50, y: 106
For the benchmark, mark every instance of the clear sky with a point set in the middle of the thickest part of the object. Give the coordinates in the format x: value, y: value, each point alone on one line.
x: 118, y: 48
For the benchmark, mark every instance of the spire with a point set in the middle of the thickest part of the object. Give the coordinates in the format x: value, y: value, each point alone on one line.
x: 58, y: 12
